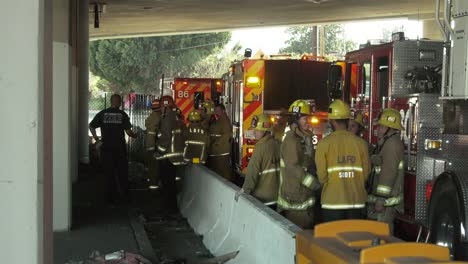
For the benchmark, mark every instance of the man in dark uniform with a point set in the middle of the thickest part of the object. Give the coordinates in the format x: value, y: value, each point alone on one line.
x: 113, y: 122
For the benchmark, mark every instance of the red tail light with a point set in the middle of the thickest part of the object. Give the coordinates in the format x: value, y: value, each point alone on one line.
x: 428, y: 191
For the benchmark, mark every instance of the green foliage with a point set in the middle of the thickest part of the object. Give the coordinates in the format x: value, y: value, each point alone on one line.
x: 215, y: 65
x: 138, y: 63
x: 300, y: 41
x: 335, y: 41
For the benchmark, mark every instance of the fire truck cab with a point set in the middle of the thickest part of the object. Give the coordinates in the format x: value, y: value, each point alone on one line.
x: 414, y: 77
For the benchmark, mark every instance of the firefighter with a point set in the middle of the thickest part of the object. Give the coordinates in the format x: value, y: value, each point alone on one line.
x: 386, y: 198
x: 356, y: 124
x: 296, y: 198
x: 197, y: 140
x: 262, y: 177
x: 208, y: 113
x: 219, y: 152
x: 152, y: 129
x: 113, y: 122
x: 168, y: 149
x: 280, y: 126
x: 342, y: 161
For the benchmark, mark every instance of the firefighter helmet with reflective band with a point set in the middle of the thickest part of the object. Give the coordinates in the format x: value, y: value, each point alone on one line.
x: 359, y: 118
x: 167, y: 101
x: 194, y: 116
x: 339, y: 110
x: 261, y: 123
x: 391, y: 118
x: 155, y: 104
x: 209, y: 106
x: 300, y: 107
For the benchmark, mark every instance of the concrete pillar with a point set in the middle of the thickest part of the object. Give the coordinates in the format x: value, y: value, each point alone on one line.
x: 62, y: 116
x: 26, y: 134
x: 74, y: 90
x: 315, y: 40
x: 83, y: 83
x: 431, y: 30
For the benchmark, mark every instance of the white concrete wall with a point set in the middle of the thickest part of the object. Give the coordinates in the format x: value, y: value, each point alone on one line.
x: 62, y: 116
x: 24, y: 153
x: 230, y: 221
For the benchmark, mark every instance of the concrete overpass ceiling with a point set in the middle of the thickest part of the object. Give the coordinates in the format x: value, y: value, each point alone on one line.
x: 158, y: 17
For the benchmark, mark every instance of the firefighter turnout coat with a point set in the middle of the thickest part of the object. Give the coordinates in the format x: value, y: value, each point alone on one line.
x: 342, y: 161
x: 297, y: 181
x: 170, y: 142
x: 152, y: 129
x: 262, y: 177
x: 388, y: 172
x: 220, y: 137
x: 220, y: 147
x: 197, y: 141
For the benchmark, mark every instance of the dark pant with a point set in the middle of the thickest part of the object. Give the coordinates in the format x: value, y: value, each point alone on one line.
x: 221, y: 165
x: 168, y: 182
x: 302, y: 218
x: 115, y: 165
x: 153, y: 168
x: 329, y: 215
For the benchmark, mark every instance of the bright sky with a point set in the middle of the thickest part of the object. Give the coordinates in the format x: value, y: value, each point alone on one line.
x: 270, y: 40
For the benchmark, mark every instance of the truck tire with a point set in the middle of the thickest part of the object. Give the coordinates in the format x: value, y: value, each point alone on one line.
x: 445, y: 217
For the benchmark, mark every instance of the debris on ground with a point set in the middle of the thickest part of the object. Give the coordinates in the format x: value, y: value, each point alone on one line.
x: 220, y: 259
x: 117, y: 257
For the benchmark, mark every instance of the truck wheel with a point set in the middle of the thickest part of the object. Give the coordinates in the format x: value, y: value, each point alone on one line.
x: 446, y: 222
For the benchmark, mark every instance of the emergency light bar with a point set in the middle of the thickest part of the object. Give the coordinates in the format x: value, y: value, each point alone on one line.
x: 314, y: 120
x: 253, y: 82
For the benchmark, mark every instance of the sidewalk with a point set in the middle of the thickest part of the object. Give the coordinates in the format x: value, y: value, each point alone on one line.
x: 95, y: 226
x: 144, y: 227
x: 103, y: 229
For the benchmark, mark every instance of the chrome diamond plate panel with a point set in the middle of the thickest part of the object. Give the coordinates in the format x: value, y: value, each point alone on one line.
x: 428, y: 118
x: 406, y: 57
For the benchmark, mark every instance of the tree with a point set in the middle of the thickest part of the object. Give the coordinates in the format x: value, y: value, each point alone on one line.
x: 300, y: 40
x: 215, y: 65
x: 138, y: 63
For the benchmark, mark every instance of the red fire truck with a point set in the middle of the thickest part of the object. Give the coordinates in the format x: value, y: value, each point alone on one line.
x: 256, y: 86
x: 414, y: 77
x: 190, y: 93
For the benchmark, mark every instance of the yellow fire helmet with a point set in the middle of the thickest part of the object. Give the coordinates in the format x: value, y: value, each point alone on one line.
x: 194, y: 116
x: 209, y: 107
x: 339, y: 110
x: 300, y: 107
x: 359, y: 118
x: 391, y: 118
x: 261, y: 123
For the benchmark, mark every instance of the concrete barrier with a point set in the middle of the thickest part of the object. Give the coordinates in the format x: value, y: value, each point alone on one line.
x: 230, y: 221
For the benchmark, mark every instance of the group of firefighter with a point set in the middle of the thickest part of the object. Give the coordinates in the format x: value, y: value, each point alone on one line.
x: 347, y: 177
x: 170, y: 143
